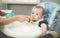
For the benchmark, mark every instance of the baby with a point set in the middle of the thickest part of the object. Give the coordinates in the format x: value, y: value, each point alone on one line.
x: 36, y: 18
x: 37, y: 15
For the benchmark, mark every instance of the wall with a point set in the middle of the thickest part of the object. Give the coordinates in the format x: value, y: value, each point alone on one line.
x: 21, y: 8
x: 1, y: 5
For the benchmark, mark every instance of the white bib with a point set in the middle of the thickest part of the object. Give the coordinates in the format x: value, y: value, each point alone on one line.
x: 24, y: 29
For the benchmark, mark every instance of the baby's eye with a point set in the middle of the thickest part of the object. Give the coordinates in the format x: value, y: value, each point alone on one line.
x: 32, y: 12
x: 37, y: 14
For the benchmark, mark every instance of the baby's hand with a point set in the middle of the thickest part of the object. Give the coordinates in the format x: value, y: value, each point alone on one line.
x: 44, y: 29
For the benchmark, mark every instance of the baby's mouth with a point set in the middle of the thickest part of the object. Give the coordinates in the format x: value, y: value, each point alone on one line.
x: 32, y: 19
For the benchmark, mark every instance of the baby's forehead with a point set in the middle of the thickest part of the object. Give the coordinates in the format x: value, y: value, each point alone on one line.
x: 37, y: 8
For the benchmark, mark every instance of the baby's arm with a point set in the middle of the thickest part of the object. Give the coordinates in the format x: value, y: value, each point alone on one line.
x: 44, y: 28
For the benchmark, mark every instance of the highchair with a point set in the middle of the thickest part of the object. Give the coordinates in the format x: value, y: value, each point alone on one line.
x: 51, y: 11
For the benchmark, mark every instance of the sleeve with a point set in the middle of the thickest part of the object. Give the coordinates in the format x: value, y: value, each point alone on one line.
x: 8, y: 15
x: 43, y: 22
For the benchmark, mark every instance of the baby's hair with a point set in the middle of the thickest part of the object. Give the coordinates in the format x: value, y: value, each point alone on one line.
x: 39, y: 8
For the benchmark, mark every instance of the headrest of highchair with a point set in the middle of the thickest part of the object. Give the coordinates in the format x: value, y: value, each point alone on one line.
x: 50, y: 13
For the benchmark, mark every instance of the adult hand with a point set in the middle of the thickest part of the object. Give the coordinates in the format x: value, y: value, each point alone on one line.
x: 22, y: 18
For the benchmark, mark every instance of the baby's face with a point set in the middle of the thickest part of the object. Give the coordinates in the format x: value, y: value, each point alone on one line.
x: 36, y: 13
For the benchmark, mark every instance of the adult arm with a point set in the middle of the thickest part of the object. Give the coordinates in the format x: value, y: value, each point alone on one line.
x: 4, y: 21
x: 19, y: 18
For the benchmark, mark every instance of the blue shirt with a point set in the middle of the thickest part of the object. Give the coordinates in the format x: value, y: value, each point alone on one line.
x: 8, y: 15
